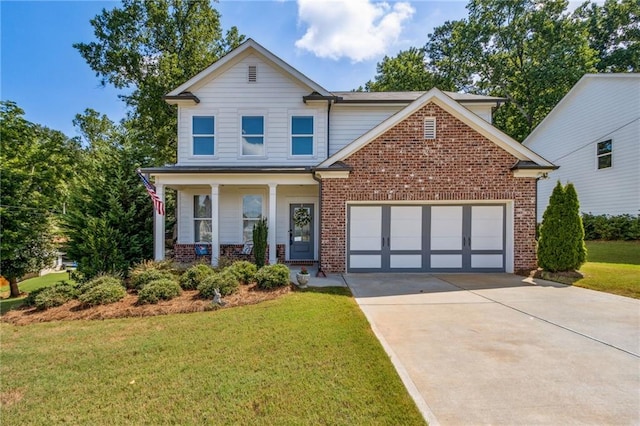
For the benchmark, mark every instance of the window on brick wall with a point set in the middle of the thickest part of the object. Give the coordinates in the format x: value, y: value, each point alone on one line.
x: 430, y: 128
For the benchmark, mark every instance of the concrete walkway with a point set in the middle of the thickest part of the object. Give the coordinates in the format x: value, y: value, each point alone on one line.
x: 495, y: 349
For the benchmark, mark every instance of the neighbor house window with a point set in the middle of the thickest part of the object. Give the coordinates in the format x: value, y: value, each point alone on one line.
x: 203, y: 135
x: 301, y: 135
x: 251, y: 214
x: 202, y: 218
x: 252, y: 135
x: 604, y: 154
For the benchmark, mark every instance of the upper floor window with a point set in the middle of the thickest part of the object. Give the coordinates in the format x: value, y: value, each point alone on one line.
x: 604, y: 154
x: 253, y: 135
x: 202, y: 218
x: 251, y: 214
x: 203, y: 131
x: 301, y: 135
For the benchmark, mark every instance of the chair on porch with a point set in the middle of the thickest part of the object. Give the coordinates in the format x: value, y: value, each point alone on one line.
x: 202, y: 250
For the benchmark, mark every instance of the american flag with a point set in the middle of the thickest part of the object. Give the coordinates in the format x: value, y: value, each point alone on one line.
x: 158, y: 205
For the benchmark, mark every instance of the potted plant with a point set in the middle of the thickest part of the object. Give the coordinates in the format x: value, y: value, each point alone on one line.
x: 302, y: 277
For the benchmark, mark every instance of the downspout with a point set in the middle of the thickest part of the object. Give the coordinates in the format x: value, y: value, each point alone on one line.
x: 317, y: 179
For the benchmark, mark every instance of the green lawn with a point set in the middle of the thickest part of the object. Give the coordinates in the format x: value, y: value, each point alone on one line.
x: 612, y: 266
x: 307, y: 358
x: 27, y: 286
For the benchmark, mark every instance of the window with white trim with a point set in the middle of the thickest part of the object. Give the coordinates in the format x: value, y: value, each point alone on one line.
x: 251, y: 214
x: 202, y: 218
x: 203, y: 133
x: 253, y: 135
x: 301, y: 135
x: 604, y: 154
x: 429, y: 127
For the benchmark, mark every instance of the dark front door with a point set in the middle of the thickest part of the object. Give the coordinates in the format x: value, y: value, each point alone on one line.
x: 301, y: 232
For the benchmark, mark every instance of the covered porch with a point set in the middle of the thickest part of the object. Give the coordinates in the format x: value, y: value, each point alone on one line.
x: 217, y: 208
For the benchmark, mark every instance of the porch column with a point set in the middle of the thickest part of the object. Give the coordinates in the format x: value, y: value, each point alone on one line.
x: 158, y: 232
x: 215, y: 229
x: 273, y: 255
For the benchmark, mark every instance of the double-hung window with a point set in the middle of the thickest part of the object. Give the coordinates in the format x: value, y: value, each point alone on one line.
x: 604, y: 154
x: 203, y: 131
x: 253, y: 135
x: 202, y: 218
x: 301, y: 135
x: 251, y: 214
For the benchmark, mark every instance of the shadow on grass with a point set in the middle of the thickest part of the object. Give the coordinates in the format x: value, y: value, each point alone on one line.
x: 334, y: 291
x: 8, y: 304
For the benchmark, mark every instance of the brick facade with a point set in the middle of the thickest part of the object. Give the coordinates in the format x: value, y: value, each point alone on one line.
x: 400, y: 165
x: 185, y: 253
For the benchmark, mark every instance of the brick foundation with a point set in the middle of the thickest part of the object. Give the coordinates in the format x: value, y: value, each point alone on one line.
x: 400, y: 165
x: 185, y: 253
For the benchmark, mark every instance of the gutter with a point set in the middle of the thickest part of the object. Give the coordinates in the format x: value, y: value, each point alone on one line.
x: 320, y: 271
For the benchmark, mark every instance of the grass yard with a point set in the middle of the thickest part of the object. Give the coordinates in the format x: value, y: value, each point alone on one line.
x: 27, y: 286
x: 613, y: 267
x: 306, y: 358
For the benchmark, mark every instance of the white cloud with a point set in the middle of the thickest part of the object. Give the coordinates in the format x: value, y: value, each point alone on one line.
x: 356, y: 29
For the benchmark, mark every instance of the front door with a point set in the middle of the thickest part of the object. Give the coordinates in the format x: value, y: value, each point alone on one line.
x: 301, y: 232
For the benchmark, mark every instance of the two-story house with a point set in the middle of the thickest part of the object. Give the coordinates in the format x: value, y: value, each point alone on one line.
x: 412, y: 181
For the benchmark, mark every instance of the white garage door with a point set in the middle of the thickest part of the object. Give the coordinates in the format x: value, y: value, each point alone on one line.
x: 426, y: 238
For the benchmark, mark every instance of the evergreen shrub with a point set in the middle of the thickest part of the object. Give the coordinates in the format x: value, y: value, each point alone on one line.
x: 260, y: 234
x: 193, y: 276
x: 142, y: 278
x: 244, y: 271
x: 103, y: 294
x: 272, y: 276
x: 49, y: 297
x: 224, y: 281
x: 162, y: 289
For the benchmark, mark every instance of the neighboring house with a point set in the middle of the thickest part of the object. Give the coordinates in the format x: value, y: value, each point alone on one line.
x: 416, y: 181
x: 593, y: 134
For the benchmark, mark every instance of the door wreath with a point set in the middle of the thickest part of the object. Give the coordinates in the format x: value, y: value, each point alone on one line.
x: 301, y: 217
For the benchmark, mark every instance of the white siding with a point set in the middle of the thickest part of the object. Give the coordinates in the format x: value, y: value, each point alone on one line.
x: 481, y: 110
x: 348, y: 122
x: 596, y: 110
x: 228, y: 95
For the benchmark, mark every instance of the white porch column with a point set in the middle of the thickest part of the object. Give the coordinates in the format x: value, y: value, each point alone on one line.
x: 215, y: 219
x: 158, y: 232
x: 273, y: 255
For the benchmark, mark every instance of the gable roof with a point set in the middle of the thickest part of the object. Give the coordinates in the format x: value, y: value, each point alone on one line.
x: 406, y: 97
x: 250, y: 44
x: 568, y: 98
x: 444, y: 101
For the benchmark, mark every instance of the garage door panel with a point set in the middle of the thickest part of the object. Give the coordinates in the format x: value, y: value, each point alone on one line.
x: 446, y: 227
x: 487, y: 261
x: 453, y: 261
x: 365, y: 230
x: 487, y: 225
x: 365, y: 261
x: 405, y: 228
x: 406, y: 261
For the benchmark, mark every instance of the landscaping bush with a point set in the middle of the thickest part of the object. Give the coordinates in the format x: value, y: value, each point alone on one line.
x: 140, y: 279
x: 606, y: 227
x: 103, y: 294
x: 101, y: 279
x: 561, y: 244
x: 245, y: 272
x: 154, y: 291
x: 260, y: 235
x: 49, y: 297
x: 272, y: 276
x: 224, y: 281
x: 193, y: 276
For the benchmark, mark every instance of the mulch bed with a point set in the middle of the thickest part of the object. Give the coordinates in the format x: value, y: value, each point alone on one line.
x: 568, y: 277
x: 188, y: 301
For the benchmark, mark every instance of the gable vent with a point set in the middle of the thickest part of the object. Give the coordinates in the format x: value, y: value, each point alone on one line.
x: 253, y: 74
x: 430, y: 128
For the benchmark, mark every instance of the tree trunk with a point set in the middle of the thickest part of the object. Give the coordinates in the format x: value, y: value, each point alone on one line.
x: 13, y: 285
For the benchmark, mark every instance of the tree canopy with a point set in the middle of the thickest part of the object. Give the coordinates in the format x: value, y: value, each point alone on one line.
x: 149, y: 48
x: 530, y: 52
x: 36, y: 164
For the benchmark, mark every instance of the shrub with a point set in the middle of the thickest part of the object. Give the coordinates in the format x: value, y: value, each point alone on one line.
x: 154, y: 291
x: 100, y: 279
x: 140, y: 279
x: 272, y: 276
x: 245, y: 272
x: 561, y: 244
x: 224, y: 281
x: 49, y: 297
x: 193, y: 276
x: 103, y: 294
x: 260, y: 234
x: 606, y: 227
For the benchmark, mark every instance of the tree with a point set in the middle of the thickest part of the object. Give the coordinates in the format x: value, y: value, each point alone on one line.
x: 35, y: 166
x: 614, y: 33
x: 151, y: 47
x: 109, y: 217
x: 528, y: 51
x: 561, y: 245
x: 405, y: 72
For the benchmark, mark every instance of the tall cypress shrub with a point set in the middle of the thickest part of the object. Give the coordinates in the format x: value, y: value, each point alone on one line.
x: 561, y: 244
x: 260, y: 233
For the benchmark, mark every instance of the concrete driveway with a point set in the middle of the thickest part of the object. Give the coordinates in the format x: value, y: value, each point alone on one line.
x: 495, y: 349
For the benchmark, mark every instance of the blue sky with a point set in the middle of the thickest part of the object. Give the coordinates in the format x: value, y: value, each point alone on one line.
x: 336, y: 44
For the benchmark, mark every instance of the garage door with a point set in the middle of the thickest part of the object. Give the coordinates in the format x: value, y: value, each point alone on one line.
x: 426, y: 238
